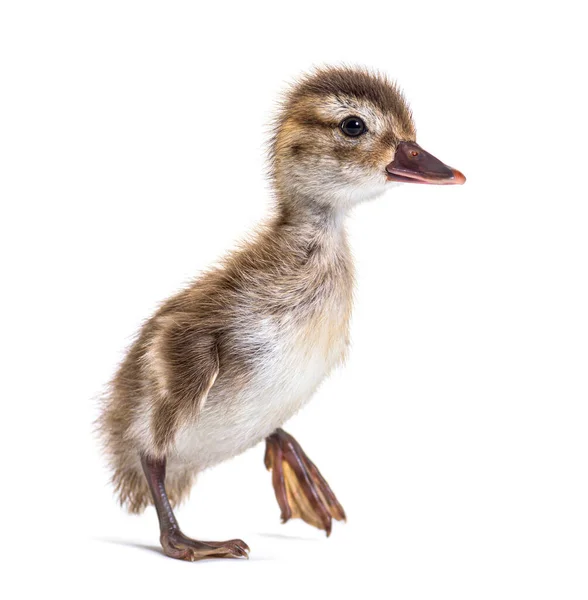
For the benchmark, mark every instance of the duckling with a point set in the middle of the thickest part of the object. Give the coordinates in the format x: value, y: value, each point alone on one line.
x: 224, y: 363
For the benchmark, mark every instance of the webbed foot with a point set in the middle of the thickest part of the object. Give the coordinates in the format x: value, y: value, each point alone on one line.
x: 173, y: 541
x: 301, y: 490
x: 177, y: 545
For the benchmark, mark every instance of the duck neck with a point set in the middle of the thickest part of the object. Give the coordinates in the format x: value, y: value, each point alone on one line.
x: 306, y: 218
x: 309, y: 239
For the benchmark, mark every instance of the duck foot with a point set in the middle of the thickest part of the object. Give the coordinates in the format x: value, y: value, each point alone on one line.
x: 301, y: 491
x: 176, y: 545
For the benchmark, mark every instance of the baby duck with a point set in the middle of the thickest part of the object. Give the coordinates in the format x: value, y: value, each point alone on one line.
x: 224, y: 363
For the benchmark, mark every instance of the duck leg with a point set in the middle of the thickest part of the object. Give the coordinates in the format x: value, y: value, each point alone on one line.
x: 301, y: 491
x: 173, y: 541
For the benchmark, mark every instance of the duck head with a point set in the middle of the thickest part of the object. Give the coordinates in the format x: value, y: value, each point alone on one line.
x: 344, y: 135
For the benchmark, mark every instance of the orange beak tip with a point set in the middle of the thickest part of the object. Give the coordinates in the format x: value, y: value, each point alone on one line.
x: 459, y: 177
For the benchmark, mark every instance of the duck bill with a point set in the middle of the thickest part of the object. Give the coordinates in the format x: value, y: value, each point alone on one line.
x: 412, y: 164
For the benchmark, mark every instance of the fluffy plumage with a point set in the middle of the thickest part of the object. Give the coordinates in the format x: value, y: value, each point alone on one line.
x: 228, y: 360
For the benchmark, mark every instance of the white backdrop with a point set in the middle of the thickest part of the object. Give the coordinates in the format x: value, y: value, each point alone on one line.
x: 131, y: 156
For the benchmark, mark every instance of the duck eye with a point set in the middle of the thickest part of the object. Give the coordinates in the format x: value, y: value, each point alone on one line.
x: 353, y: 126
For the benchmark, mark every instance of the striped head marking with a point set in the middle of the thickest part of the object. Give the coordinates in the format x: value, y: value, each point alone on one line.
x: 343, y: 134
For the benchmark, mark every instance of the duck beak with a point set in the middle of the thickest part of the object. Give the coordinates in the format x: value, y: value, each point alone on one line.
x: 412, y: 164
